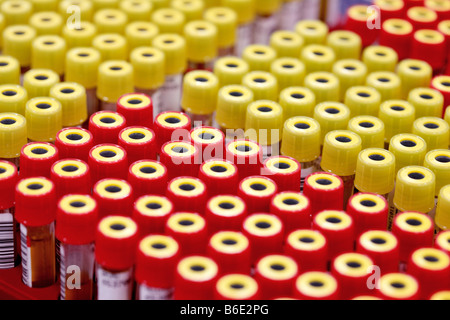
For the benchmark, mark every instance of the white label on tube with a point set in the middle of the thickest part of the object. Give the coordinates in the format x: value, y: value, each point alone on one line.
x: 26, y: 257
x: 311, y: 9
x: 148, y: 293
x: 264, y: 27
x: 244, y: 38
x: 291, y: 13
x: 6, y: 241
x: 170, y: 94
x: 114, y: 286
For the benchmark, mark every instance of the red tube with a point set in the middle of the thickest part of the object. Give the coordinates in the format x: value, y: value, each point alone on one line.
x: 114, y: 198
x: 189, y: 229
x: 325, y: 191
x: 219, y: 175
x: 74, y: 143
x: 285, y: 171
x: 180, y: 158
x: 397, y: 34
x: 211, y: 142
x: 139, y: 143
x: 151, y: 213
x: 422, y: 18
x: 413, y: 230
x: 187, y: 194
x: 398, y: 286
x: 171, y: 126
x: 414, y: 3
x: 71, y: 176
x: 362, y: 21
x: 429, y: 45
x: 294, y: 210
x: 137, y: 108
x: 316, y: 285
x: 108, y: 161
x: 257, y: 192
x: 105, y: 126
x: 309, y: 248
x: 231, y: 251
x: 148, y: 177
x: 8, y: 180
x: 36, y: 159
x: 236, y: 287
x: 225, y: 212
x: 246, y: 155
x: 442, y: 241
x: 265, y: 233
x: 338, y: 229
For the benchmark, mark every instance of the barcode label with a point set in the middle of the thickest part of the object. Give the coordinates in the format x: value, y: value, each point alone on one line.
x: 6, y: 241
x: 62, y: 270
x: 169, y: 98
x: 114, y: 286
x: 26, y: 257
x: 148, y: 293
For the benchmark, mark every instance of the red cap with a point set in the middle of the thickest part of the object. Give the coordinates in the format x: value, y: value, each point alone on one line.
x: 137, y: 108
x: 397, y: 39
x: 148, y: 177
x: 363, y: 22
x: 187, y: 194
x: 74, y: 143
x: 35, y: 202
x: 325, y: 191
x: 225, y: 212
x: 246, y: 155
x: 395, y: 10
x: 429, y: 45
x: 105, y: 126
x: 211, y: 142
x: 441, y: 83
x: 151, y: 213
x: 108, y: 161
x: 76, y: 219
x: 71, y: 176
x: 139, y: 143
x: 422, y: 18
x: 236, y: 286
x: 398, y: 286
x: 293, y: 208
x: 8, y: 180
x: 442, y: 241
x: 171, y: 126
x: 180, y: 158
x: 285, y: 171
x: 36, y: 159
x: 219, y: 175
x: 114, y: 198
x: 157, y: 257
x: 442, y: 9
x: 115, y: 243
x: 257, y: 192
x: 316, y: 285
x: 414, y: 3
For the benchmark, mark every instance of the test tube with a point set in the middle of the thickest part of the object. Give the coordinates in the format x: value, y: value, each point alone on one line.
x: 107, y: 161
x: 288, y: 71
x: 422, y: 17
x: 37, y: 158
x: 316, y: 285
x: 427, y: 102
x: 81, y: 36
x: 38, y: 82
x: 442, y: 218
x: 361, y: 20
x: 442, y: 8
x: 16, y: 12
x: 312, y: 31
x: 46, y: 22
x: 225, y: 212
x: 441, y: 83
x: 284, y: 170
x: 187, y: 194
x: 267, y: 20
x: 331, y: 116
x: 136, y: 11
x: 169, y: 20
x: 259, y: 57
x: 325, y: 191
x: 13, y: 98
x: 413, y: 74
x: 138, y: 142
x: 246, y: 155
x: 387, y: 83
x: 110, y: 20
x: 287, y: 44
x: 437, y: 161
x: 180, y: 158
x: 345, y: 44
x: 362, y: 100
x: 398, y: 286
x: 370, y: 129
x: 13, y: 136
x: 86, y: 8
x: 17, y: 42
x: 398, y: 117
x: 317, y: 57
x: 264, y: 85
x: 201, y: 45
x: 151, y: 213
x: 137, y: 108
x: 397, y: 33
x: 70, y: 176
x: 390, y: 9
x: 441, y: 241
x: 230, y: 70
x: 171, y: 125
x: 379, y: 58
x: 114, y: 197
x: 432, y: 42
x: 105, y: 126
x: 49, y: 52
x: 434, y: 130
x: 408, y: 150
x: 112, y: 46
x: 225, y: 20
x: 350, y: 73
x: 140, y: 34
x: 147, y: 177
x: 324, y: 85
x: 236, y: 287
x: 9, y: 70
x: 209, y: 141
x: 192, y: 9
x: 297, y: 101
x: 294, y: 210
x: 44, y: 119
x: 44, y: 5
x: 72, y: 97
x: 257, y: 192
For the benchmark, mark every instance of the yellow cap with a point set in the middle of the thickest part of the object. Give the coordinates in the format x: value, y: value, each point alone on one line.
x: 398, y: 286
x: 286, y: 43
x: 264, y: 122
x: 350, y: 73
x: 44, y: 5
x: 2, y: 27
x: 81, y: 66
x: 174, y: 48
x: 84, y: 7
x: 192, y: 9
x: 46, y: 22
x: 9, y: 70
x: 444, y: 27
x: 331, y: 116
x: 370, y: 129
x: 149, y: 67
x: 16, y: 12
x: 79, y: 37
x: 312, y: 31
x: 230, y: 70
x: 158, y: 4
x: 13, y: 98
x: 104, y: 4
x: 441, y: 295
x: 44, y: 119
x: 259, y: 57
x: 232, y: 106
x: 413, y: 74
x: 225, y: 20
x: 136, y: 10
x: 112, y: 46
x: 345, y: 44
x: 38, y: 82
x: 438, y: 162
x: 115, y: 78
x: 263, y: 84
x: 380, y: 58
x: 169, y: 20
x: 201, y: 41
x: 13, y: 134
x: 362, y: 100
x: 245, y: 9
x: 408, y: 149
x: 340, y: 152
x: 414, y: 189
x: 375, y: 171
x: 435, y: 132
x: 317, y: 57
x: 427, y: 102
x: 267, y: 7
x: 442, y: 217
x: 387, y: 83
x: 49, y: 52
x: 325, y: 86
x: 200, y: 90
x: 301, y: 139
x: 140, y: 34
x: 447, y: 115
x: 297, y: 101
x: 17, y: 42
x: 398, y: 117
x: 288, y: 71
x: 110, y: 21
x: 72, y: 97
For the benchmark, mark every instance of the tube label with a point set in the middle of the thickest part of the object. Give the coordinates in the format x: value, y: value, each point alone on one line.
x: 244, y: 38
x: 6, y: 241
x: 149, y: 293
x: 169, y: 98
x: 264, y: 27
x: 291, y: 13
x: 114, y: 286
x: 26, y: 256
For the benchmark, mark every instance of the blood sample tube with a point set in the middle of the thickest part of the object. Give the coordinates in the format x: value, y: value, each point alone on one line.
x: 442, y: 8
x: 231, y: 251
x: 195, y: 278
x: 36, y: 159
x: 17, y: 42
x: 422, y: 18
x: 140, y: 34
x: 110, y: 21
x: 136, y: 11
x: 169, y: 20
x: 398, y: 117
x: 397, y: 34
x: 324, y: 85
x: 225, y: 212
x: 147, y: 177
x: 225, y: 20
x: 286, y: 43
x: 114, y: 198
x: 219, y: 175
x: 13, y: 98
x: 265, y: 233
x: 350, y: 73
x: 442, y: 218
x: 276, y: 276
x: 72, y: 97
x: 70, y: 176
x: 13, y: 136
x: 137, y: 108
x: 370, y: 129
x: 259, y: 57
x: 44, y: 119
x: 180, y: 158
x: 345, y: 44
x: 210, y: 141
x: 38, y: 82
x: 441, y: 295
x: 257, y: 192
x: 191, y: 9
x: 369, y: 211
x: 398, y: 286
x: 441, y: 83
x: 201, y: 44
x: 432, y: 42
x: 245, y: 10
x: 74, y: 143
x: 36, y: 212
x: 76, y: 221
x: 325, y: 191
x: 408, y: 150
x: 288, y: 71
x: 157, y: 256
x: 362, y: 100
x: 362, y: 20
x: 317, y: 57
x: 390, y: 9
x: 187, y: 194
x: 115, y: 255
x: 151, y: 213
x: 246, y: 155
x: 284, y: 171
x: 264, y: 85
x: 442, y: 241
x: 293, y: 209
x: 382, y: 247
x: 16, y: 12
x: 9, y: 70
x: 316, y: 285
x: 190, y: 230
x: 331, y: 116
x: 312, y: 31
x: 379, y: 58
x: 111, y: 46
x: 80, y: 36
x: 308, y: 248
x: 236, y: 287
x: 105, y: 126
x: 107, y: 161
x: 413, y: 74
x: 138, y: 142
x: 297, y: 101
x: 230, y: 70
x: 434, y: 130
x: 427, y: 102
x: 170, y: 126
x: 49, y: 52
x: 387, y: 83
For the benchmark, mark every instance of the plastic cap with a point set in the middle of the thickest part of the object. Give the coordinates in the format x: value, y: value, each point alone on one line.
x: 115, y: 78
x: 397, y: 116
x: 230, y: 70
x: 288, y: 71
x: 370, y: 129
x: 169, y: 20
x: 200, y: 92
x: 312, y: 31
x: 13, y: 98
x: 345, y: 44
x: 136, y: 10
x: 325, y: 86
x: 46, y: 22
x: 225, y: 20
x: 286, y: 43
x: 263, y: 84
x: 49, y: 52
x: 13, y: 134
x: 245, y: 9
x: 232, y: 106
x: 259, y: 57
x: 350, y: 73
x: 38, y: 82
x: 317, y: 57
x: 16, y: 11
x: 112, y: 46
x: 17, y: 42
x: 192, y: 9
x: 79, y: 37
x: 268, y: 7
x: 331, y: 116
x: 149, y: 67
x: 44, y: 118
x: 408, y: 150
x: 174, y: 48
x: 438, y: 162
x: 297, y: 101
x: 140, y: 34
x: 413, y: 73
x: 427, y: 102
x: 387, y: 83
x: 435, y: 132
x: 442, y: 217
x: 362, y: 100
x: 110, y: 20
x: 9, y: 70
x: 82, y: 65
x: 379, y: 58
x: 264, y: 122
x: 72, y: 97
x: 85, y: 7
x: 201, y: 41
